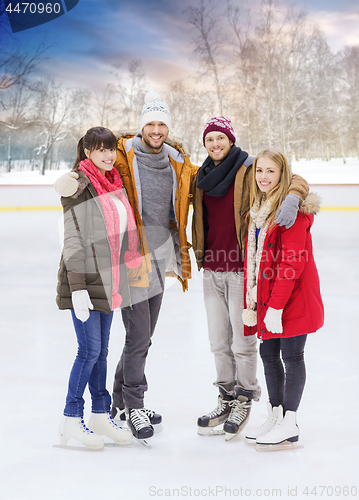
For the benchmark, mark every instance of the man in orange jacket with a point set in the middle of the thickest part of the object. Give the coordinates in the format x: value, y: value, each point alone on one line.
x: 157, y: 178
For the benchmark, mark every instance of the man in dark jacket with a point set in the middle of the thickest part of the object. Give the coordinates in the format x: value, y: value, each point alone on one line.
x: 221, y: 198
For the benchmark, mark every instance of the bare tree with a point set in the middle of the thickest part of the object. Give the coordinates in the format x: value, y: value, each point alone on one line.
x: 130, y: 86
x: 56, y: 107
x: 17, y: 63
x: 349, y: 92
x: 106, y: 105
x: 17, y: 114
x: 208, y: 44
x: 190, y: 109
x: 245, y: 78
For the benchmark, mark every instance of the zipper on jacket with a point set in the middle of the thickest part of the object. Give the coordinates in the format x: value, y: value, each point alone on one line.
x: 260, y: 303
x: 108, y: 241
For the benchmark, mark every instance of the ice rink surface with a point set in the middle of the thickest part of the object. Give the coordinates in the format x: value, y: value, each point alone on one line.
x: 38, y: 347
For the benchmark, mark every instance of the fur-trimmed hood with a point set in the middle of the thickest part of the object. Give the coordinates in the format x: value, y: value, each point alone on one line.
x: 311, y: 204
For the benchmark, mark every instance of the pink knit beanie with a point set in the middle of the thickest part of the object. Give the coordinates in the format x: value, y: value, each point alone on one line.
x: 219, y: 124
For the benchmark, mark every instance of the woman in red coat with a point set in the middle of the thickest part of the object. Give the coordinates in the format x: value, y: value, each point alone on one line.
x: 282, y: 295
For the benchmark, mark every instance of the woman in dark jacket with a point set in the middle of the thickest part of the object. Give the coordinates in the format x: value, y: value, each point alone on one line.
x: 282, y: 295
x: 98, y: 221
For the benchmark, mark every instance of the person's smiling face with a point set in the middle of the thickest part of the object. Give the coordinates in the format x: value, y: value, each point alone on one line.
x: 218, y: 146
x: 267, y: 175
x: 154, y: 135
x: 102, y: 158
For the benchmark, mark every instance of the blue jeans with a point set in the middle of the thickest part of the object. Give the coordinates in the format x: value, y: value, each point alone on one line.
x: 90, y: 366
x: 284, y: 369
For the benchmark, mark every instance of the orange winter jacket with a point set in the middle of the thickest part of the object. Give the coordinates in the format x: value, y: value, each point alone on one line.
x: 184, y: 173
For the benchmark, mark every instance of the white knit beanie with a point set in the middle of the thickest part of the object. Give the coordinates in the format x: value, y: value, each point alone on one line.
x: 155, y: 110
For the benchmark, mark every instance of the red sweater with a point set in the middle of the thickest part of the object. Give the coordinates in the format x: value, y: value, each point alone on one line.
x: 222, y: 252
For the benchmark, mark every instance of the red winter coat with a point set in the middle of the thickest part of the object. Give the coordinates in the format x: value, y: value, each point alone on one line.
x: 288, y: 278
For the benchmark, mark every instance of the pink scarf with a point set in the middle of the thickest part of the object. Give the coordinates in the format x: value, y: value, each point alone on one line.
x: 105, y: 184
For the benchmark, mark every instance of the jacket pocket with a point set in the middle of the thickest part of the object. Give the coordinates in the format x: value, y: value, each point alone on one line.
x: 295, y: 307
x: 91, y: 266
x: 138, y: 276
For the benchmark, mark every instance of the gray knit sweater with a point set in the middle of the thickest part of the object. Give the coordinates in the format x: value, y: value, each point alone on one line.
x: 156, y: 180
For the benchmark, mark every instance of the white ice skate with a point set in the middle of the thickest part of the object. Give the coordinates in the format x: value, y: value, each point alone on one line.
x: 75, y: 428
x: 283, y: 435
x: 266, y: 426
x: 103, y: 424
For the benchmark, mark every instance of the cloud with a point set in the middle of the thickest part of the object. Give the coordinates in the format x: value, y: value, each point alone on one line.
x: 340, y: 28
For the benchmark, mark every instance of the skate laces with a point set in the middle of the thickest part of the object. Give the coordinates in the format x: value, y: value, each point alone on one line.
x: 220, y: 408
x: 269, y: 420
x: 149, y: 413
x: 84, y: 428
x: 113, y: 423
x: 139, y: 418
x: 239, y: 411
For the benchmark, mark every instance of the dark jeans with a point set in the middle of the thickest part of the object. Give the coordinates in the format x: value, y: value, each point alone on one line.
x: 90, y: 366
x: 284, y: 370
x: 130, y: 381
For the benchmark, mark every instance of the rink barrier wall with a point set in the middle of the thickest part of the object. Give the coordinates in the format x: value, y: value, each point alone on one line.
x: 43, y: 197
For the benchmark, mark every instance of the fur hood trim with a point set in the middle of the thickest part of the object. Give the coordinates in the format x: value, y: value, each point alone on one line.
x: 311, y: 205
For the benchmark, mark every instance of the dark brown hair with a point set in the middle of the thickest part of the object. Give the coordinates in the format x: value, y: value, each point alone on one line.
x: 95, y: 138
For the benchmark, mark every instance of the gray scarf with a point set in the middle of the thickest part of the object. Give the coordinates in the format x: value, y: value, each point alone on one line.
x: 156, y: 179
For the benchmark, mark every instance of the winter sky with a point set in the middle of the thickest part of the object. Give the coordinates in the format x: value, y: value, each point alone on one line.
x: 96, y: 34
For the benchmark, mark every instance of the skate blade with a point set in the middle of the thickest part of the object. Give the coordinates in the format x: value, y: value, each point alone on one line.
x: 285, y: 445
x: 209, y: 431
x: 144, y: 442
x: 76, y: 448
x: 112, y: 444
x: 229, y: 435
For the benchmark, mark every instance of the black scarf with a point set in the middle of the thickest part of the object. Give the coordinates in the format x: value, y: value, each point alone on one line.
x: 215, y: 180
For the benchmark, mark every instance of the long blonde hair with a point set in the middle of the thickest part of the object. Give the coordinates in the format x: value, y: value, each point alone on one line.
x: 279, y: 193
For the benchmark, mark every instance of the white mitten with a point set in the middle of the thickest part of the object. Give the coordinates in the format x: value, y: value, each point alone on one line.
x: 67, y: 184
x: 81, y: 303
x: 273, y: 320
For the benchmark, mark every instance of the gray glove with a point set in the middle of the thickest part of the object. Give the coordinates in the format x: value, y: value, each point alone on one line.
x: 288, y: 210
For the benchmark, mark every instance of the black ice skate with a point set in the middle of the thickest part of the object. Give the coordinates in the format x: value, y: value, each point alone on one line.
x: 139, y: 423
x: 155, y: 418
x: 207, y: 423
x: 238, y: 417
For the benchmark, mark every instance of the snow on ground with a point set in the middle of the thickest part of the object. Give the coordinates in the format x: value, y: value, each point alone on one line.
x: 328, y: 172
x: 39, y: 346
